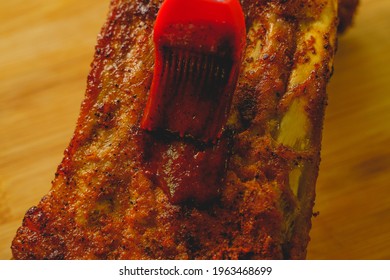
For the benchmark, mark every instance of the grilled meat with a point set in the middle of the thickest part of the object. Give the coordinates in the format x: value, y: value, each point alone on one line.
x: 105, y: 202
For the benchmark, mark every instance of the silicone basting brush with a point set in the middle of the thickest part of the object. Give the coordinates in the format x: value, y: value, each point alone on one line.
x: 198, y: 50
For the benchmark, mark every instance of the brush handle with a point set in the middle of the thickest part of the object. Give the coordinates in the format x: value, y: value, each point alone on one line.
x: 200, y: 24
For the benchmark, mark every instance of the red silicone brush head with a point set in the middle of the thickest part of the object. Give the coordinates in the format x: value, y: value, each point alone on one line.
x: 198, y: 50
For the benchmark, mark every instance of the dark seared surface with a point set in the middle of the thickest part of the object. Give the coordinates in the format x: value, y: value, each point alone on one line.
x: 104, y: 203
x: 347, y: 9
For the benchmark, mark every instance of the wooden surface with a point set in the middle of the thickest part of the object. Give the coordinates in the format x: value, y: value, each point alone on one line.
x: 45, y: 51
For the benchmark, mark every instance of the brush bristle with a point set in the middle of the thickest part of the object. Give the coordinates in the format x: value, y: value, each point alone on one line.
x: 205, y: 73
x: 193, y: 88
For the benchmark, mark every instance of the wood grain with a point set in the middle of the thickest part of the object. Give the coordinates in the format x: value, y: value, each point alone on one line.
x: 45, y: 51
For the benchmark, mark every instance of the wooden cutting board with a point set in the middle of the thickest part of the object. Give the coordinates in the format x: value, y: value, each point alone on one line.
x: 45, y: 51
